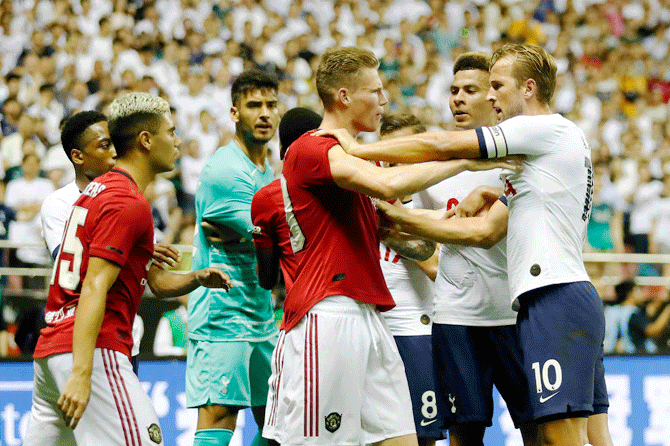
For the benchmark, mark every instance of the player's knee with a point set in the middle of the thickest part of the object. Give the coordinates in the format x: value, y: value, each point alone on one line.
x: 217, y: 417
x: 467, y: 434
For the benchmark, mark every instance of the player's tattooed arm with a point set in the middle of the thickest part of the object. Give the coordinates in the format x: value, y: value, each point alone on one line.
x: 408, y: 246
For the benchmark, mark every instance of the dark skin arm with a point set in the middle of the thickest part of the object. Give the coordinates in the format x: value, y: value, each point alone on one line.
x: 267, y: 267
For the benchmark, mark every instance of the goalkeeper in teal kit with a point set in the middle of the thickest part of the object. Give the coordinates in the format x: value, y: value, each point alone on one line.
x: 232, y: 335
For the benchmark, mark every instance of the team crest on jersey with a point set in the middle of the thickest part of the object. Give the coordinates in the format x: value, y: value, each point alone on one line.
x: 155, y: 433
x: 333, y: 421
x: 256, y: 231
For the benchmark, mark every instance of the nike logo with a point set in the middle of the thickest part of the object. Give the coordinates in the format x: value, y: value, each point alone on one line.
x: 543, y: 399
x: 426, y: 422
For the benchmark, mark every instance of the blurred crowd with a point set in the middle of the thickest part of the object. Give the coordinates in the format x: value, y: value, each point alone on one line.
x: 59, y: 57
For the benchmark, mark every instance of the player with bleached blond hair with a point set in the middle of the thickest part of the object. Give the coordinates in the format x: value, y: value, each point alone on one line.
x: 85, y: 391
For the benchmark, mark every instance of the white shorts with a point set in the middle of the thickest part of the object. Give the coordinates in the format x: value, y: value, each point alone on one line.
x: 119, y: 412
x: 337, y: 379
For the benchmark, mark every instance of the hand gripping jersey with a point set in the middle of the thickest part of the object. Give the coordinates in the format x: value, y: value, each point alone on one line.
x: 111, y: 220
x: 271, y: 229
x: 471, y: 286
x: 336, y: 229
x: 549, y: 201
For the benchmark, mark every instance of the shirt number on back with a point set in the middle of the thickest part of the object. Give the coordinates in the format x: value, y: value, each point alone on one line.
x: 69, y: 273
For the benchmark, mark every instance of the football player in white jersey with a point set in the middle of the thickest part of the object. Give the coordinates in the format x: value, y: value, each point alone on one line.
x: 86, y: 142
x: 410, y: 321
x: 474, y: 336
x: 560, y: 322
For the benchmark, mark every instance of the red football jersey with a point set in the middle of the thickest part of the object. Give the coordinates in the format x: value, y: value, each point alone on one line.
x: 336, y: 231
x: 111, y: 220
x: 267, y: 214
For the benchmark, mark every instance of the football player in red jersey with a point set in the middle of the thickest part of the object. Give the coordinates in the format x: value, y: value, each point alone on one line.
x: 105, y: 261
x: 337, y: 375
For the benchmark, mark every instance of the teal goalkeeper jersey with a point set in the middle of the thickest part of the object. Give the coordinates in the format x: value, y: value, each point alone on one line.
x: 227, y: 184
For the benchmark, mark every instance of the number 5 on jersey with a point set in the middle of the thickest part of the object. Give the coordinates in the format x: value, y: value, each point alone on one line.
x: 69, y: 273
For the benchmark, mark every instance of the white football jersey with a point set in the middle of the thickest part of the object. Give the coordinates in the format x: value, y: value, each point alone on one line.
x: 412, y: 291
x: 549, y: 201
x: 471, y: 286
x: 54, y: 213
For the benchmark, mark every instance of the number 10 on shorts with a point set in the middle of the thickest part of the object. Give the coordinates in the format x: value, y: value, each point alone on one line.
x: 542, y: 375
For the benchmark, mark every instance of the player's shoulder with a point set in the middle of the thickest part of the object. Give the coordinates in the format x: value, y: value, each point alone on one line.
x: 227, y: 162
x: 266, y: 197
x: 309, y: 142
x: 64, y: 196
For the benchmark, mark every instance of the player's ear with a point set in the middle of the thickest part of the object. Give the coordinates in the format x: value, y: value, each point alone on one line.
x: 234, y: 114
x: 77, y: 156
x: 144, y: 139
x: 530, y: 89
x: 343, y: 96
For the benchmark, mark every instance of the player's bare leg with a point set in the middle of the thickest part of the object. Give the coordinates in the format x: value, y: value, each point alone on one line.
x: 566, y: 432
x: 423, y: 441
x: 529, y: 434
x: 259, y: 416
x: 216, y: 425
x: 598, y: 430
x: 404, y: 440
x: 466, y: 434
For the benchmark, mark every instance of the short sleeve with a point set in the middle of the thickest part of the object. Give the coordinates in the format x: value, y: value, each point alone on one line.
x: 54, y: 214
x: 230, y: 194
x: 520, y: 135
x: 310, y: 160
x: 120, y: 227
x: 263, y: 215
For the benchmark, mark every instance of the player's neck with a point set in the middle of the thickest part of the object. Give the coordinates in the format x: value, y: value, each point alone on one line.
x: 333, y: 121
x: 535, y: 108
x: 257, y: 153
x: 138, y: 169
x: 81, y: 180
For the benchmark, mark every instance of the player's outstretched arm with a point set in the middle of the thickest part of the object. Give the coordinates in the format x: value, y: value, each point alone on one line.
x: 100, y: 276
x: 171, y: 284
x: 483, y: 231
x: 407, y: 245
x: 430, y: 146
x: 388, y: 183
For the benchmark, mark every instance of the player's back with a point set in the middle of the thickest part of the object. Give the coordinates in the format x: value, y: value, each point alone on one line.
x: 111, y: 220
x: 271, y: 228
x: 336, y: 228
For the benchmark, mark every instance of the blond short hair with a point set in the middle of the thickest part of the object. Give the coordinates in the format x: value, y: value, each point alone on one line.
x: 339, y: 68
x: 137, y: 102
x: 134, y: 113
x: 531, y: 62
